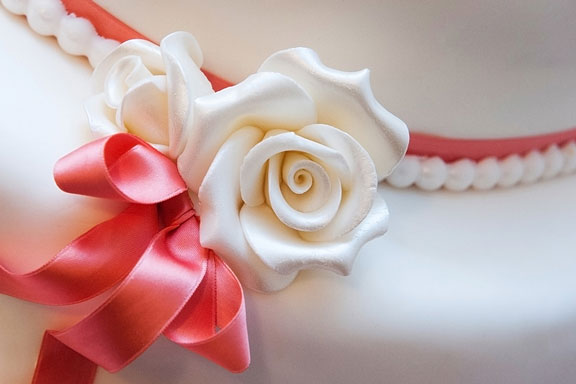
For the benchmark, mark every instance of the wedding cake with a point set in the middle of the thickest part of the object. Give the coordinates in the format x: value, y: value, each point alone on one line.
x: 474, y: 286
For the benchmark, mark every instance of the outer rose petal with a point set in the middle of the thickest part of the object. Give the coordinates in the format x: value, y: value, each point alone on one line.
x: 264, y: 100
x: 220, y: 227
x: 148, y: 52
x: 159, y: 111
x: 101, y: 118
x: 359, y: 188
x: 345, y: 100
x: 144, y: 111
x: 185, y: 82
x: 283, y: 250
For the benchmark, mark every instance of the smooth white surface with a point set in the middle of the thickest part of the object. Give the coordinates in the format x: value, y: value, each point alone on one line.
x: 457, y: 68
x: 468, y: 288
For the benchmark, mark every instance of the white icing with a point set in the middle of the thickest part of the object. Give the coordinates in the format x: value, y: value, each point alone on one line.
x: 406, y: 173
x: 553, y: 162
x: 44, y: 16
x: 17, y: 7
x: 75, y: 35
x: 487, y: 174
x: 533, y: 167
x: 431, y: 173
x: 100, y: 48
x: 569, y: 153
x: 461, y: 175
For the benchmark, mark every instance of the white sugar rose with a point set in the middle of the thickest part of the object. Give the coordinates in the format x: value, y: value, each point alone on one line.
x: 286, y: 165
x: 283, y: 167
x: 148, y: 90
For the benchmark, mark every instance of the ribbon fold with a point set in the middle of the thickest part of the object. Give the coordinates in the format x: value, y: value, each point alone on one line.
x: 163, y: 280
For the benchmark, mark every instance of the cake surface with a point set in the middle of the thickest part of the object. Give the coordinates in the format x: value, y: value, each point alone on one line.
x: 475, y: 69
x: 471, y: 288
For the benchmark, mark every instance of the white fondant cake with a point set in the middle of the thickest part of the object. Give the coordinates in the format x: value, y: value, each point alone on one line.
x: 473, y: 288
x: 475, y: 69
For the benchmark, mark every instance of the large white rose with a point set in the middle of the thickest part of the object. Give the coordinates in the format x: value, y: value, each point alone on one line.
x: 284, y: 166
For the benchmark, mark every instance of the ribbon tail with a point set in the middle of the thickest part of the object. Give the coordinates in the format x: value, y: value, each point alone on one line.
x: 145, y: 303
x: 89, y: 265
x: 58, y: 364
x: 213, y: 323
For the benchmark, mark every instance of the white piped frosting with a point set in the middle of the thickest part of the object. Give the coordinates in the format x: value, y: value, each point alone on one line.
x: 44, y: 16
x: 75, y: 35
x: 434, y: 173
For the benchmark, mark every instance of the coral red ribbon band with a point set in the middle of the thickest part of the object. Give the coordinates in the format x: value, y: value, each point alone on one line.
x: 163, y: 281
x: 452, y: 149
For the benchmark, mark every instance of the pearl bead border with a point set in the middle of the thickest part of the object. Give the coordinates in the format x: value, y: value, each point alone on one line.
x: 78, y: 37
x: 433, y: 173
x: 75, y: 35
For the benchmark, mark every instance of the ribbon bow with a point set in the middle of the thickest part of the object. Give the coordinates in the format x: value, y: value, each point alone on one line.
x: 165, y: 281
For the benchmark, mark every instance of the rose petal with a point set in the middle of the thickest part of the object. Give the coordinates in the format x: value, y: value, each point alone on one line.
x: 127, y: 72
x: 359, y: 186
x: 144, y: 111
x: 147, y: 52
x: 101, y: 117
x: 345, y: 100
x: 251, y: 171
x: 267, y: 101
x: 220, y: 228
x: 301, y: 221
x: 306, y: 185
x: 183, y: 58
x: 285, y: 251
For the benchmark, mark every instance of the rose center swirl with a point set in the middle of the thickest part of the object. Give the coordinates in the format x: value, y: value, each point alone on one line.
x: 297, y: 178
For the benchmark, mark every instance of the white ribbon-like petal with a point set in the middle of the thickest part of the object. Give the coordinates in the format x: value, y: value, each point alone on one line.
x: 345, y: 100
x: 286, y: 252
x: 144, y: 111
x: 307, y: 185
x: 359, y: 186
x: 302, y: 221
x: 127, y: 72
x: 252, y: 168
x: 101, y: 117
x: 266, y: 100
x: 220, y: 227
x: 147, y: 52
x: 185, y: 82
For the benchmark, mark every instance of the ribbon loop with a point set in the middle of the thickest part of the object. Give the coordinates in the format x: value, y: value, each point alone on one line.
x: 120, y: 167
x: 169, y: 283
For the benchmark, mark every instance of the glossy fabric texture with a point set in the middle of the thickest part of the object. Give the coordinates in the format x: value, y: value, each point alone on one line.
x: 168, y: 283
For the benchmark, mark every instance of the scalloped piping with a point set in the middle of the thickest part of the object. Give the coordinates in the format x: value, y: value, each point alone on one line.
x: 77, y: 36
x: 432, y: 173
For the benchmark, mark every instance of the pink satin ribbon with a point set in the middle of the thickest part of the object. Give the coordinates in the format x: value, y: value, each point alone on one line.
x: 164, y: 281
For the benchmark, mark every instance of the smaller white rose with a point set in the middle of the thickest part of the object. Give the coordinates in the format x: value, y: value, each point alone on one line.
x: 148, y: 90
